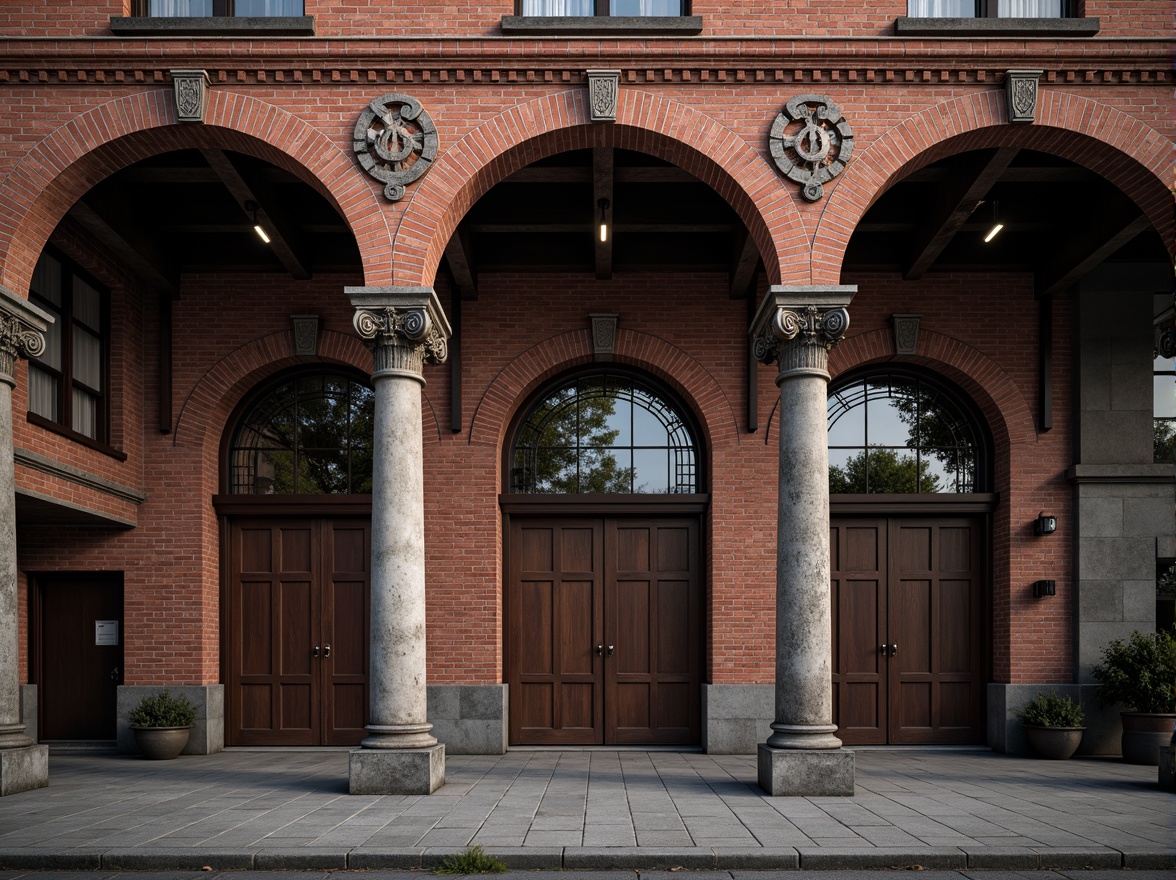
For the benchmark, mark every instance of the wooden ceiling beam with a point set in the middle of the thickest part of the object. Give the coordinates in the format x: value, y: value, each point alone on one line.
x: 602, y: 194
x: 955, y: 206
x: 283, y: 240
x: 134, y: 251
x: 460, y: 258
x: 1109, y: 232
x: 622, y: 174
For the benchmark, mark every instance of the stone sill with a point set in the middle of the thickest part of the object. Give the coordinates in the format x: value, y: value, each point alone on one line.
x: 600, y: 25
x: 219, y: 26
x: 1121, y: 473
x: 995, y: 27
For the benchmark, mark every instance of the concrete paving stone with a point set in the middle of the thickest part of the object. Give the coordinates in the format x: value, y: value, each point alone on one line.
x: 664, y: 838
x: 848, y: 858
x: 448, y: 837
x: 558, y: 823
x: 773, y: 858
x: 377, y: 858
x: 630, y: 858
x: 299, y: 859
x: 175, y: 859
x: 554, y: 838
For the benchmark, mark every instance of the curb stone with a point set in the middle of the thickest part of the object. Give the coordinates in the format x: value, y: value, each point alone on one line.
x: 176, y: 860
x: 637, y: 857
x: 848, y: 859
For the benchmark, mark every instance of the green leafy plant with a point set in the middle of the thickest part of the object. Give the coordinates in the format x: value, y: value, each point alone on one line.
x: 1139, y: 673
x: 163, y: 710
x: 472, y: 861
x: 1052, y: 710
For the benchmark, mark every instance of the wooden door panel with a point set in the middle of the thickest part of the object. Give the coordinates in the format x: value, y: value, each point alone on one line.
x: 345, y: 601
x: 78, y: 678
x: 858, y: 595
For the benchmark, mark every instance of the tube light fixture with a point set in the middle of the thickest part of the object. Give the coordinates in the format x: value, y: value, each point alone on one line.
x: 252, y: 207
x: 603, y: 204
x: 997, y: 226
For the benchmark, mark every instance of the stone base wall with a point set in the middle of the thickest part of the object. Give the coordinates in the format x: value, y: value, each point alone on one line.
x: 470, y: 719
x: 28, y: 710
x: 735, y: 717
x: 208, y: 734
x: 1006, y: 733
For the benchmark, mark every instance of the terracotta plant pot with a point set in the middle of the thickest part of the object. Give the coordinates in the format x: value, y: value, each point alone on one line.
x: 161, y: 743
x: 1054, y: 743
x: 1144, y: 734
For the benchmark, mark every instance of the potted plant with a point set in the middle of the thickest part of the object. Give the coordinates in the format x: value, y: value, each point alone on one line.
x: 162, y: 724
x: 1140, y: 674
x: 1053, y: 724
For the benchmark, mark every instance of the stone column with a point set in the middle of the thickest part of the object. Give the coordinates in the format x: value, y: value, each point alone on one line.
x: 406, y: 329
x: 23, y: 765
x: 796, y: 327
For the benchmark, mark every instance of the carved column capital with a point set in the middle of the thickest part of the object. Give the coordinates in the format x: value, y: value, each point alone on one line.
x: 404, y: 326
x: 798, y: 326
x: 22, y: 332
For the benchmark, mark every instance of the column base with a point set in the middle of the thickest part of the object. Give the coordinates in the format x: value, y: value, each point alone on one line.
x: 397, y: 771
x: 23, y: 769
x: 806, y: 773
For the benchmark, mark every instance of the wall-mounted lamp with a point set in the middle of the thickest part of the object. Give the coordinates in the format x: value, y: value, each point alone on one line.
x: 1045, y: 525
x: 252, y: 207
x: 997, y: 226
x: 1044, y: 588
x: 603, y: 205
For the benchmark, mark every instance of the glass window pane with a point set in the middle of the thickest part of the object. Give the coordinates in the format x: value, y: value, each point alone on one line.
x: 322, y: 472
x: 44, y: 391
x: 268, y: 8
x: 890, y: 471
x: 847, y: 427
x: 87, y: 305
x: 941, y: 8
x: 87, y: 359
x: 85, y: 413
x: 554, y: 469
x: 651, y: 471
x: 1164, y: 397
x: 885, y: 425
x: 605, y: 471
x: 942, y: 471
x: 52, y: 354
x: 847, y: 471
x: 558, y: 7
x: 648, y: 428
x: 179, y: 8
x: 1029, y: 9
x: 47, y: 280
x: 275, y: 472
x: 646, y: 7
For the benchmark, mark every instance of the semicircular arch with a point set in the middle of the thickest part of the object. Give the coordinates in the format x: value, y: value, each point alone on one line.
x: 91, y: 146
x: 1101, y: 138
x: 648, y: 123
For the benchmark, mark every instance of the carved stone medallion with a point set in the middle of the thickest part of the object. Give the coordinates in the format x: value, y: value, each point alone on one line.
x: 396, y: 142
x: 603, y: 86
x: 1021, y: 94
x: 811, y: 142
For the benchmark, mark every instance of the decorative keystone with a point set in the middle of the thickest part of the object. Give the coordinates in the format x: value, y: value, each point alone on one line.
x: 906, y: 332
x: 305, y: 336
x: 603, y: 86
x: 604, y: 334
x: 1021, y: 94
x: 191, y: 91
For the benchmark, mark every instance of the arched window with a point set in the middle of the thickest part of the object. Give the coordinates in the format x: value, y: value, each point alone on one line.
x: 898, y: 432
x: 604, y: 432
x: 308, y: 435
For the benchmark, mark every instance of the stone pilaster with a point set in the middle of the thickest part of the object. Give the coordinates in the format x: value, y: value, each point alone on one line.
x: 23, y: 765
x: 405, y: 328
x: 796, y: 327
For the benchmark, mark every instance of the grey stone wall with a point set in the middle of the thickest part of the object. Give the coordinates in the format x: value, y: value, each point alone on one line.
x: 28, y: 710
x: 208, y: 734
x: 469, y: 719
x: 736, y: 717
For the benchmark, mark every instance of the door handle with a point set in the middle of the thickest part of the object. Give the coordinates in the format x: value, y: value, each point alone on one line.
x: 315, y: 652
x: 888, y: 650
x: 600, y: 650
x: 610, y: 650
x: 114, y: 674
x: 326, y: 650
x: 893, y: 650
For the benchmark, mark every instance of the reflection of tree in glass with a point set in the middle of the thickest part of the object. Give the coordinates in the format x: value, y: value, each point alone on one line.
x: 887, y: 473
x: 935, y: 430
x: 560, y: 438
x: 1164, y: 440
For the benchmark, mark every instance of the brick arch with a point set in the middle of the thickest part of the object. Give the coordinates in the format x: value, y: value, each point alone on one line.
x: 1101, y: 138
x: 93, y: 145
x: 686, y: 376
x: 557, y: 123
x: 994, y: 392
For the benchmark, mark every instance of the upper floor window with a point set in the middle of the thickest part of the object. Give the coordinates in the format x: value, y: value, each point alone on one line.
x: 988, y: 8
x: 604, y: 433
x: 308, y: 435
x: 212, y: 8
x: 897, y: 432
x: 1164, y: 408
x: 620, y: 8
x: 68, y: 384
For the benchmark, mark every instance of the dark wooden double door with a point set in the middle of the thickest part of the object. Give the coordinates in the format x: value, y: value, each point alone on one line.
x: 908, y: 630
x: 297, y: 631
x: 604, y: 631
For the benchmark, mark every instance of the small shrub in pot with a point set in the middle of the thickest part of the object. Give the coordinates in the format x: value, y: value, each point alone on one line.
x: 162, y: 724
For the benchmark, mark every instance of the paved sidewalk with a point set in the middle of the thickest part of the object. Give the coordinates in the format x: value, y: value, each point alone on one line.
x: 287, y: 810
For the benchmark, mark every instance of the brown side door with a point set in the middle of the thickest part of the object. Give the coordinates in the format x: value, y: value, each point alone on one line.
x: 908, y: 630
x: 604, y: 631
x: 297, y: 624
x: 79, y: 658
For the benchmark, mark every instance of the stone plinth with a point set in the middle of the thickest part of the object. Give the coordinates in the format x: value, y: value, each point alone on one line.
x: 397, y: 771
x: 797, y: 773
x: 23, y: 769
x: 1168, y: 768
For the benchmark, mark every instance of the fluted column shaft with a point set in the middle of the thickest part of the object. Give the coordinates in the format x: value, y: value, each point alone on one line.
x: 405, y: 329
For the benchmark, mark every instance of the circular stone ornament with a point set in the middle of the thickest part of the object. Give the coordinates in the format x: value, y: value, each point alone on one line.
x: 396, y: 142
x: 811, y: 142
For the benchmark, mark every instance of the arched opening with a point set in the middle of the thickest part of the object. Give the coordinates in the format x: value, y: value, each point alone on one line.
x: 604, y: 581
x: 909, y: 463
